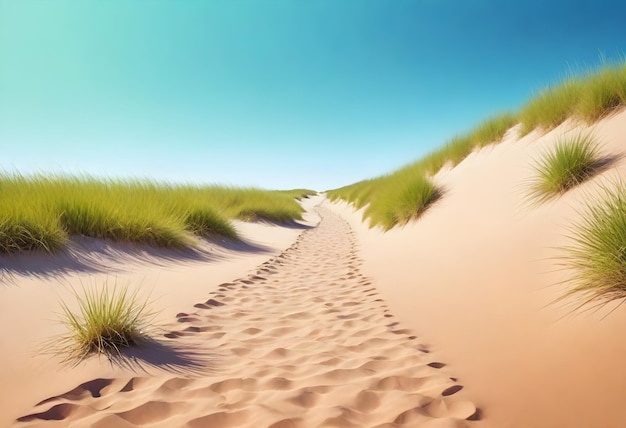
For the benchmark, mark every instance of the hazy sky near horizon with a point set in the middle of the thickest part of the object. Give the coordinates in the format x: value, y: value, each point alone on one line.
x: 274, y: 93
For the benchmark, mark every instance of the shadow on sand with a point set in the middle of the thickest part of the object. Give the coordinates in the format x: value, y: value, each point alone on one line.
x: 184, y: 361
x: 156, y: 354
x: 90, y: 255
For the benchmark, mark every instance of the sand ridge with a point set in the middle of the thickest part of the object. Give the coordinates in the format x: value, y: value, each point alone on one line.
x: 304, y: 341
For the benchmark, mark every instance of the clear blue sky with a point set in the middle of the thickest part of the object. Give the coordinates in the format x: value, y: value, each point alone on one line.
x: 274, y: 93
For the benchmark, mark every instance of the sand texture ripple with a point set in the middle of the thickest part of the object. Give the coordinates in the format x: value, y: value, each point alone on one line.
x: 304, y: 341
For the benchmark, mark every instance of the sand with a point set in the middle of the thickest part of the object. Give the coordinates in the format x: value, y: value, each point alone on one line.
x: 449, y: 321
x: 32, y: 286
x: 477, y: 278
x: 302, y: 340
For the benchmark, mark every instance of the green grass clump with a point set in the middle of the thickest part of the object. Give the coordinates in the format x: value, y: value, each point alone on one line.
x: 391, y: 199
x: 587, y: 97
x: 25, y: 233
x: 458, y: 148
x: 552, y: 106
x: 101, y: 220
x: 493, y: 129
x: 407, y: 200
x: 206, y: 222
x: 572, y: 161
x: 405, y: 194
x: 598, y: 253
x: 604, y: 92
x: 42, y: 212
x: 107, y: 321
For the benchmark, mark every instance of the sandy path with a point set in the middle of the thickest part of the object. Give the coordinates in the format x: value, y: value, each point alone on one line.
x: 304, y: 341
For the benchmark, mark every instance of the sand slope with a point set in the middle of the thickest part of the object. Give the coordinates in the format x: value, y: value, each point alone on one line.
x: 33, y: 284
x: 477, y: 278
x: 305, y: 340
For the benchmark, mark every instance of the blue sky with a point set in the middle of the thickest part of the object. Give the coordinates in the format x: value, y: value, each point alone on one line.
x: 274, y: 93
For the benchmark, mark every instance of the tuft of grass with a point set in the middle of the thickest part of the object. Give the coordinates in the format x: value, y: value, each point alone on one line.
x: 493, y: 129
x: 405, y: 194
x: 572, y: 161
x: 27, y: 233
x: 98, y: 219
x: 588, y: 97
x: 406, y: 197
x: 490, y: 131
x: 604, y: 91
x: 108, y: 320
x: 409, y: 202
x: 208, y: 223
x: 598, y: 253
x: 552, y: 106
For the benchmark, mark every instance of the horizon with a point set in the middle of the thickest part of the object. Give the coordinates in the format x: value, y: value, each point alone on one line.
x: 279, y: 95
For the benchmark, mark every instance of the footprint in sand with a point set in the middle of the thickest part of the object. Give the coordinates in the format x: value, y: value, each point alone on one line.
x: 304, y: 341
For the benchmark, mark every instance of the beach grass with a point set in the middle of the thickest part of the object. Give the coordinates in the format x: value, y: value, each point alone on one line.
x: 552, y: 106
x: 573, y: 160
x: 109, y: 319
x: 408, y: 199
x: 393, y: 199
x: 604, y: 92
x: 586, y: 97
x: 405, y: 194
x: 43, y: 212
x: 489, y: 131
x: 597, y: 255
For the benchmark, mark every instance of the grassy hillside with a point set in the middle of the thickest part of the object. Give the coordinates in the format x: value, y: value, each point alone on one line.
x: 43, y: 212
x: 586, y: 98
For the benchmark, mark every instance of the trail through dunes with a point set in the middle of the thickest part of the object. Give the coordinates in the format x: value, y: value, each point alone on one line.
x: 303, y: 341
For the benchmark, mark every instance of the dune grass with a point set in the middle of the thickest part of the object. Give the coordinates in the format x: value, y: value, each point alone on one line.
x: 108, y: 320
x: 586, y: 97
x: 42, y: 212
x: 405, y: 194
x: 407, y: 200
x: 456, y: 149
x: 393, y: 199
x: 604, y: 91
x: 572, y: 161
x: 552, y: 106
x: 598, y: 253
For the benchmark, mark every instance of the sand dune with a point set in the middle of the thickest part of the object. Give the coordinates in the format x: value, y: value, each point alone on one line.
x: 32, y: 286
x: 450, y: 321
x: 304, y: 340
x: 477, y: 277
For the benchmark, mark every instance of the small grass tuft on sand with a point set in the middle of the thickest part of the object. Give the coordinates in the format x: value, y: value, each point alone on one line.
x: 407, y: 200
x: 572, y: 161
x: 108, y: 320
x: 598, y: 253
x: 552, y: 106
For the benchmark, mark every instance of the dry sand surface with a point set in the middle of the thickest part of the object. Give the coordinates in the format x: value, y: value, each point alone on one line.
x: 32, y: 286
x: 302, y: 340
x: 476, y: 278
x: 449, y: 321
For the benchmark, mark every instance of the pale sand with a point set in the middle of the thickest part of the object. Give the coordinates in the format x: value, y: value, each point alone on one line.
x: 32, y: 286
x: 475, y: 278
x: 302, y: 337
x: 303, y: 340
